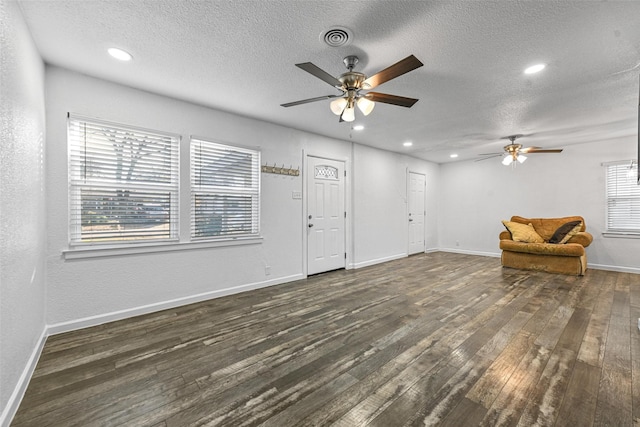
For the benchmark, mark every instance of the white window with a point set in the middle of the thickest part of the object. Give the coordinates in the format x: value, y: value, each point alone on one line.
x: 623, y: 198
x: 225, y: 191
x: 123, y: 183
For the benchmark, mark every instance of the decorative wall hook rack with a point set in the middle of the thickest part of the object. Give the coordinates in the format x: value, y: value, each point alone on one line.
x: 281, y: 170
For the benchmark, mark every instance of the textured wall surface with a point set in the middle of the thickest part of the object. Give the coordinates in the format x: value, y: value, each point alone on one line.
x: 380, y: 203
x: 22, y: 276
x: 477, y: 195
x: 80, y: 290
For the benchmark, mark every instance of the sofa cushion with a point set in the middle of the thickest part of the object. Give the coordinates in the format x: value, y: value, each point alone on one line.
x: 522, y: 232
x: 570, y: 249
x: 545, y: 227
x: 565, y: 232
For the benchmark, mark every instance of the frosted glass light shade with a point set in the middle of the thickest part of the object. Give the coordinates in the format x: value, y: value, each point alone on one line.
x: 521, y: 158
x: 337, y: 106
x: 507, y: 160
x: 349, y: 114
x: 366, y: 106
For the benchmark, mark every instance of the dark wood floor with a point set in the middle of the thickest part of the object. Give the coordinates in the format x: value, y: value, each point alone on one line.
x: 435, y: 339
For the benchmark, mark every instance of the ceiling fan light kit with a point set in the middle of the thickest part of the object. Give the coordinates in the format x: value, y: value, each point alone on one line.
x: 513, y: 159
x: 365, y: 105
x: 352, y: 83
x: 337, y: 106
x: 349, y: 113
x: 514, y: 153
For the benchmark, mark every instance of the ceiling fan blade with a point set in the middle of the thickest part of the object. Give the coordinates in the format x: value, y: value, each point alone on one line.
x: 320, y: 73
x: 532, y: 150
x: 390, y: 99
x: 409, y: 63
x: 527, y: 149
x: 306, y: 101
x: 488, y: 157
x: 491, y: 154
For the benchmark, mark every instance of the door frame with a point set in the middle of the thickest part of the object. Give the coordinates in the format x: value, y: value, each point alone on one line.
x: 348, y: 206
x: 424, y: 232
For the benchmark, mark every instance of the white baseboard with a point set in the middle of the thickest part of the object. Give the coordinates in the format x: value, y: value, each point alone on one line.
x: 7, y: 414
x: 21, y: 387
x: 614, y: 268
x: 466, y: 252
x: 86, y: 322
x: 378, y: 261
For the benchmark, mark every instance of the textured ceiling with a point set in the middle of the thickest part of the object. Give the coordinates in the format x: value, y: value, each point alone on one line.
x: 239, y: 56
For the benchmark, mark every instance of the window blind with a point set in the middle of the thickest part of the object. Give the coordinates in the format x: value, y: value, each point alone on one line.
x: 225, y: 190
x: 123, y: 183
x: 623, y: 198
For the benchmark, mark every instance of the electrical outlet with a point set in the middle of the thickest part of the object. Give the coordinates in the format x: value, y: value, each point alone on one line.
x: 457, y: 243
x: 267, y: 270
x: 296, y: 195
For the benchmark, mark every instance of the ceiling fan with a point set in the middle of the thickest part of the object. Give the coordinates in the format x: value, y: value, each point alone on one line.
x: 352, y: 83
x: 515, y: 152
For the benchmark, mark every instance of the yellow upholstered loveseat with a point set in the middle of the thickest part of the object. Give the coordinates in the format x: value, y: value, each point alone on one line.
x: 564, y: 258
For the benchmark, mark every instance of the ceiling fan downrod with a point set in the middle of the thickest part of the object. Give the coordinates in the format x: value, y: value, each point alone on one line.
x: 350, y: 62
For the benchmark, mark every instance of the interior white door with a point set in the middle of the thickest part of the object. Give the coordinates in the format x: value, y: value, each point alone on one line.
x: 417, y: 187
x: 326, y: 215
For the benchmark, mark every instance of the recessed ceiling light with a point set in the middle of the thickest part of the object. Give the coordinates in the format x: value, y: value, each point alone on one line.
x: 407, y: 144
x: 358, y: 127
x: 119, y: 54
x: 453, y: 156
x: 534, y: 69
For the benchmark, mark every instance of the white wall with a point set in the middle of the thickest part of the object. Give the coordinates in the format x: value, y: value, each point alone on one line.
x: 476, y: 196
x: 380, y: 204
x: 88, y: 291
x: 22, y: 274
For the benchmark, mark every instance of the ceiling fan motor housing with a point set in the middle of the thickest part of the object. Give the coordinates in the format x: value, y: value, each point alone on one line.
x: 512, y: 148
x: 352, y: 80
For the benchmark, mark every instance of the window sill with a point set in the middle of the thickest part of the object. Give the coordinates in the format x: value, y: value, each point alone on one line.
x: 82, y: 252
x: 621, y: 235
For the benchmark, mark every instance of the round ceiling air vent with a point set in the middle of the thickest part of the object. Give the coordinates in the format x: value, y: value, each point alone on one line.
x: 336, y: 36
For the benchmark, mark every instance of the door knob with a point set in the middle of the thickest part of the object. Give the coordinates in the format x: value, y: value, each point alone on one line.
x: 310, y: 225
x: 410, y: 219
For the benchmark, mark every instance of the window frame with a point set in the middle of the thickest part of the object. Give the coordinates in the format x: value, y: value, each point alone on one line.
x: 75, y: 185
x: 615, y: 170
x: 252, y: 191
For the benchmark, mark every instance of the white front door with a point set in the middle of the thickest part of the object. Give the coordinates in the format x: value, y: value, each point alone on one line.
x: 325, y: 215
x: 417, y: 185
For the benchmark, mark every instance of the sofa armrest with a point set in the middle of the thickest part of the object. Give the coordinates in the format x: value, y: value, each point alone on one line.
x: 583, y: 238
x: 505, y: 235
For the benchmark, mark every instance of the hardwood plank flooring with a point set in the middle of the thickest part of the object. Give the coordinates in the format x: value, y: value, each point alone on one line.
x: 433, y: 339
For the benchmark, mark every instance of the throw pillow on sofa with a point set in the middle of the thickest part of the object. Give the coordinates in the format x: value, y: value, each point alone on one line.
x: 565, y: 232
x: 523, y: 232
